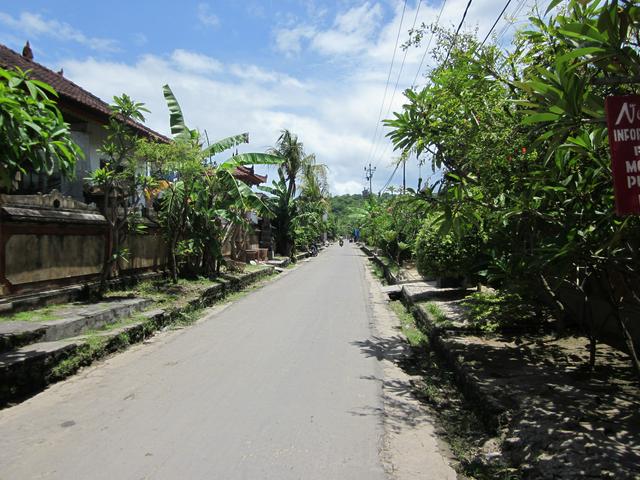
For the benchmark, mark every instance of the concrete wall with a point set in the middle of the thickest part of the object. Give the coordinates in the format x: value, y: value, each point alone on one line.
x: 48, y: 241
x: 147, y: 252
x: 36, y: 258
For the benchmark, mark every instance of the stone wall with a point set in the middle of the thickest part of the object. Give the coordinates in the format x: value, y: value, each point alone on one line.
x: 31, y: 257
x: 49, y: 241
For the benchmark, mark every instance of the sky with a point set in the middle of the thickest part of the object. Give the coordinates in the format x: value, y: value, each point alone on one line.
x: 318, y: 68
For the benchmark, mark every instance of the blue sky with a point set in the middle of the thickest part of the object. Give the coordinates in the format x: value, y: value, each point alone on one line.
x: 316, y: 67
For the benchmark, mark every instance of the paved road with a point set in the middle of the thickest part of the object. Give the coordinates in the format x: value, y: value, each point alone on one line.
x: 273, y: 387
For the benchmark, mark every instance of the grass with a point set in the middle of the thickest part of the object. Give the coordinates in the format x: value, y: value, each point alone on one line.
x: 253, y: 268
x: 438, y: 317
x: 93, y: 348
x: 408, y: 324
x: 39, y: 315
x: 456, y: 418
x: 458, y: 422
x: 378, y: 272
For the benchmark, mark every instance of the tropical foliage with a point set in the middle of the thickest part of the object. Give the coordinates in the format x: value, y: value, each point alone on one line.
x: 33, y: 135
x: 298, y: 220
x: 520, y: 142
x: 118, y: 182
x: 204, y: 201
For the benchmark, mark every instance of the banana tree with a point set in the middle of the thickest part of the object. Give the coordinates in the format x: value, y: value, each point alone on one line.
x: 203, y: 208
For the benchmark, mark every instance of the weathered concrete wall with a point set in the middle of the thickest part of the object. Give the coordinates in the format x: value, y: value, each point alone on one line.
x: 147, y: 251
x: 35, y: 258
x: 49, y: 241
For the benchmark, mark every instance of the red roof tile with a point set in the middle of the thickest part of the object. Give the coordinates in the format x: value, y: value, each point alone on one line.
x: 248, y: 176
x: 70, y: 94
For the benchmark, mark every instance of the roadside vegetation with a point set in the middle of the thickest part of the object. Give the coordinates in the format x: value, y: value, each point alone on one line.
x: 523, y: 201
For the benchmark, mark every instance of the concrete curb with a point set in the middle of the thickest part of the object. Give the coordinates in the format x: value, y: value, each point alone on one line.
x: 493, y: 414
x: 388, y: 274
x: 30, y: 374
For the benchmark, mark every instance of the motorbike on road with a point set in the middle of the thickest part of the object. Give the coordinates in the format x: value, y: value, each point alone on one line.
x: 341, y: 242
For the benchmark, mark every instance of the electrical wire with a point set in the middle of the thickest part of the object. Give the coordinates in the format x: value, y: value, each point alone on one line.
x: 426, y: 50
x: 455, y: 37
x: 509, y: 24
x: 404, y: 58
x: 495, y: 23
x: 390, y: 178
x: 395, y: 88
x: 384, y: 97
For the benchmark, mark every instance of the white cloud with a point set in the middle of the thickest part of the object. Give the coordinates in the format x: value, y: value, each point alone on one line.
x: 195, y: 62
x: 289, y: 40
x: 352, y: 32
x: 206, y: 17
x: 334, y: 111
x: 342, y: 188
x: 34, y: 25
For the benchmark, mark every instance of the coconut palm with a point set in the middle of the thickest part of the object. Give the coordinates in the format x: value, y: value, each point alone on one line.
x: 296, y: 165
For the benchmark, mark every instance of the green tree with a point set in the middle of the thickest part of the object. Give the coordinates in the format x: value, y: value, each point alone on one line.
x: 33, y: 134
x: 295, y: 162
x: 120, y: 181
x: 204, y: 202
x: 521, y: 141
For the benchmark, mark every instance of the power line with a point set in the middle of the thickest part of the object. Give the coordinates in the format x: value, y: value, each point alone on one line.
x: 404, y: 58
x: 495, y: 23
x: 390, y: 178
x: 455, y: 37
x: 426, y: 50
x: 509, y: 24
x: 384, y: 97
x: 395, y: 88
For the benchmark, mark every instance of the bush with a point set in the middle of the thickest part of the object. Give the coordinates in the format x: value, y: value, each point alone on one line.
x: 491, y: 312
x: 447, y: 255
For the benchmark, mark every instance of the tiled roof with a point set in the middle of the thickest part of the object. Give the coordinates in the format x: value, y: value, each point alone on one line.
x: 248, y: 176
x: 69, y: 93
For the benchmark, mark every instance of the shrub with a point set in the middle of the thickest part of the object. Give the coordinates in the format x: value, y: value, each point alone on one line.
x: 491, y: 312
x: 449, y: 254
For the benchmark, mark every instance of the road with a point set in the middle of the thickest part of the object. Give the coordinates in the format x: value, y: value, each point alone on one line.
x: 275, y: 386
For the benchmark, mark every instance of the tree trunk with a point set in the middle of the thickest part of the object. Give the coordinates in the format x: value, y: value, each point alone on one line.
x: 628, y: 338
x: 593, y: 348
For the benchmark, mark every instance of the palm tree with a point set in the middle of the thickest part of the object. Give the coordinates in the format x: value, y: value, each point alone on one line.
x: 314, y: 186
x: 291, y: 150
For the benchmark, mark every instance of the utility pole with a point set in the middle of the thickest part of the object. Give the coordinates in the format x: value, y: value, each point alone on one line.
x: 369, y: 175
x: 404, y: 175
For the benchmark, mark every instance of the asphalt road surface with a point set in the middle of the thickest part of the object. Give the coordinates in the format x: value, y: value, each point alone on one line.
x: 276, y: 386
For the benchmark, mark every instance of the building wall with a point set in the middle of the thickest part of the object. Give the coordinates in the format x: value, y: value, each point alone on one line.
x: 89, y: 137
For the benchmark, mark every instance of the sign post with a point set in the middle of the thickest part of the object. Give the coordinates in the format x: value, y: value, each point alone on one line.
x: 623, y: 120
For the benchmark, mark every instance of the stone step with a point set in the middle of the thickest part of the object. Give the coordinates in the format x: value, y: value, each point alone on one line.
x: 393, y: 291
x: 69, y: 322
x: 281, y: 263
x: 420, y: 291
x: 30, y: 368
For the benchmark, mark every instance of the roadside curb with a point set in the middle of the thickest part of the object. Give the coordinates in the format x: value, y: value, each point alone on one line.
x: 493, y: 413
x: 388, y: 274
x: 30, y: 375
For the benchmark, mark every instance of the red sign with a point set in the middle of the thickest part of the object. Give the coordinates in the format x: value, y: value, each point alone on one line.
x: 623, y: 119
